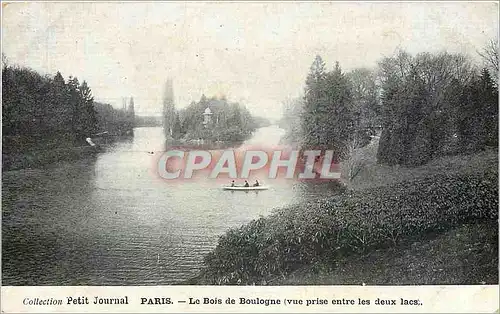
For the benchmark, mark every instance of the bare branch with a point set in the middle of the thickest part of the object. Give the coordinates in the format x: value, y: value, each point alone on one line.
x: 490, y: 56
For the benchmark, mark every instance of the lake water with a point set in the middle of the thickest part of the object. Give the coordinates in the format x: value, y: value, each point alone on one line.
x: 109, y: 219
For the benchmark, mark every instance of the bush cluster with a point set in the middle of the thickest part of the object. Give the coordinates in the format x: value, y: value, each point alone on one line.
x: 354, y: 222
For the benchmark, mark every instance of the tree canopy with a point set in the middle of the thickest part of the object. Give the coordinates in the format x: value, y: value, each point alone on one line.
x: 426, y: 105
x: 37, y: 110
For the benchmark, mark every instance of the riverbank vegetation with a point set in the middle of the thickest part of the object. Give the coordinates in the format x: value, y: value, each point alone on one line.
x: 417, y: 141
x: 228, y: 121
x: 148, y: 121
x: 422, y: 107
x: 465, y: 255
x: 47, y: 118
x: 408, y: 111
x: 328, y: 231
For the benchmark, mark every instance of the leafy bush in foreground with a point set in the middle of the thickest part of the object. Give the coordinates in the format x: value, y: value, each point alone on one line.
x: 353, y: 222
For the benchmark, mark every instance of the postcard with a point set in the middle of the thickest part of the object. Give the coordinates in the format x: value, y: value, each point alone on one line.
x: 260, y: 156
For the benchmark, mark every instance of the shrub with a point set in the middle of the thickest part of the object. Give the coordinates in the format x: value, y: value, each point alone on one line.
x: 351, y: 223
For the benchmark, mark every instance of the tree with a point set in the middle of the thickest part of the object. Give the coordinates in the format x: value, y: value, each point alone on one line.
x: 428, y: 100
x: 338, y: 123
x: 131, y: 112
x: 74, y: 100
x: 490, y: 57
x: 131, y: 107
x: 235, y: 116
x: 231, y: 122
x: 114, y: 121
x: 365, y: 104
x: 490, y: 108
x: 60, y: 114
x: 169, y: 111
x: 177, y: 129
x: 316, y: 73
x: 291, y: 120
x: 327, y: 120
x: 313, y: 101
x: 88, y: 113
x: 43, y: 112
x: 477, y: 125
x: 402, y: 105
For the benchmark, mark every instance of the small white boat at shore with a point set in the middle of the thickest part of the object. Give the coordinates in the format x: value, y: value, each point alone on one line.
x: 245, y: 188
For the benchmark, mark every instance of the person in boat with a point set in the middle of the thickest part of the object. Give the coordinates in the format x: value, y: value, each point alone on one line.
x: 246, y: 184
x: 256, y: 183
x: 232, y: 183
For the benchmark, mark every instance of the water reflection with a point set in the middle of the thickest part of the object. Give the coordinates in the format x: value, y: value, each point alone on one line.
x: 111, y: 221
x: 43, y: 222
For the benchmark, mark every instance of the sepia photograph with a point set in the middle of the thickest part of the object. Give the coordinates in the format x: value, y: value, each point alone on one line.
x: 249, y: 144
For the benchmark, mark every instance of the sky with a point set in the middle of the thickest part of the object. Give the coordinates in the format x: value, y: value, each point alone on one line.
x: 254, y: 53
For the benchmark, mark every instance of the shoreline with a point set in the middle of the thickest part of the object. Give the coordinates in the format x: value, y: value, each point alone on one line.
x: 415, y: 260
x: 45, y: 156
x: 42, y: 158
x: 435, y: 209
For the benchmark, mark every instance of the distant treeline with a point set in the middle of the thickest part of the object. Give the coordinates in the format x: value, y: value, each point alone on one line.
x: 261, y: 121
x: 148, y: 121
x: 425, y: 106
x: 116, y: 122
x: 229, y: 121
x: 43, y: 111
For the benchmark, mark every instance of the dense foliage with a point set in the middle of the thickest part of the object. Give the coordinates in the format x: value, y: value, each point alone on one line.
x: 115, y: 122
x: 48, y: 112
x: 426, y: 106
x: 354, y: 222
x: 328, y: 116
x: 434, y: 105
x: 338, y: 109
x: 228, y: 121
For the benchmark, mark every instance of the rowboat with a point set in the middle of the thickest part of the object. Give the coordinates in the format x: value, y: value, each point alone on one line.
x: 245, y: 188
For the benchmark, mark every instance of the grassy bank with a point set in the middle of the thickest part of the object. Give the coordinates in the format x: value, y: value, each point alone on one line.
x: 386, y: 216
x: 464, y: 255
x: 369, y: 174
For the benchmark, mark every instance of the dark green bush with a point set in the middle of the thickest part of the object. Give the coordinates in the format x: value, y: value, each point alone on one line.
x: 353, y: 222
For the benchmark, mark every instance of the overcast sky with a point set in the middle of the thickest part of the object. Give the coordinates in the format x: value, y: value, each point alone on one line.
x: 255, y: 53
